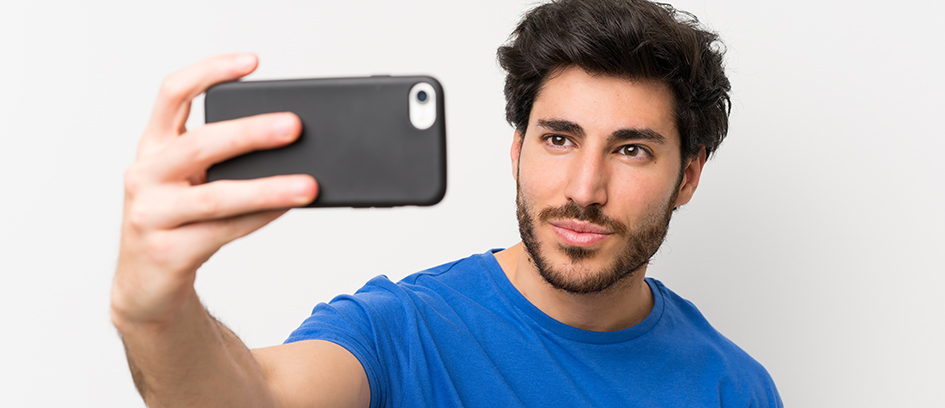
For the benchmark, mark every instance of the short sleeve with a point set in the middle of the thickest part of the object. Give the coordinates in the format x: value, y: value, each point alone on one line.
x: 369, y: 324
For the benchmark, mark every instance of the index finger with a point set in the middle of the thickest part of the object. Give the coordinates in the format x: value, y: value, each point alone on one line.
x: 178, y: 89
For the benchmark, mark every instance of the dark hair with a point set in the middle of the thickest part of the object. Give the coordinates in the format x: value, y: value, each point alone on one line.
x: 633, y: 39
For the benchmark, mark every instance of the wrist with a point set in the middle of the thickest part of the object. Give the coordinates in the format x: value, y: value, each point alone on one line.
x: 136, y: 310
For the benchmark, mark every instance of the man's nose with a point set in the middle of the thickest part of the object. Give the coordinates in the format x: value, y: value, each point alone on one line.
x: 587, y: 181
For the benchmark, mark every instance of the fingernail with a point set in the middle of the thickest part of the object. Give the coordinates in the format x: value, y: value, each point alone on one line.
x: 246, y: 61
x: 301, y: 189
x: 285, y: 125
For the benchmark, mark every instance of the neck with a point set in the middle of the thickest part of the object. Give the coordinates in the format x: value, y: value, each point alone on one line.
x: 623, y: 305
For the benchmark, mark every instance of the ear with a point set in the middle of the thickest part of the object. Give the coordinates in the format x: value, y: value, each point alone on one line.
x: 515, y: 153
x: 691, y: 174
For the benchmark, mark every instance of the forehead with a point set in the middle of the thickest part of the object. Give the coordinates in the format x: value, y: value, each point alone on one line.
x: 606, y: 103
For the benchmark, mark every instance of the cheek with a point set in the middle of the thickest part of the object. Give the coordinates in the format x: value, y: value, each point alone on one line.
x: 642, y: 194
x: 540, y: 180
x: 531, y: 188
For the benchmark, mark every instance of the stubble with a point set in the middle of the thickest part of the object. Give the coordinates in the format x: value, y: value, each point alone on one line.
x: 640, y: 244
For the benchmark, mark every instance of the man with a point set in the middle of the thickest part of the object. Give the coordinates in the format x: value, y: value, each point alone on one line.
x: 616, y: 105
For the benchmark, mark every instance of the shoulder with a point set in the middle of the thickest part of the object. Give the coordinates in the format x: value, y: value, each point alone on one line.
x: 383, y: 299
x: 451, y: 273
x: 743, y: 377
x: 682, y: 317
x: 385, y: 323
x: 459, y: 273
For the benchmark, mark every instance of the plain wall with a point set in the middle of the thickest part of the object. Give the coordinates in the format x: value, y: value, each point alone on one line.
x: 815, y: 240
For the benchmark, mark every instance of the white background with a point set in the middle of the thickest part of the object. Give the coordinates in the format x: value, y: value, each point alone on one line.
x: 815, y: 241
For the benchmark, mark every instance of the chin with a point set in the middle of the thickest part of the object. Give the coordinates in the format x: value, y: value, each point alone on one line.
x: 590, y: 269
x: 579, y: 270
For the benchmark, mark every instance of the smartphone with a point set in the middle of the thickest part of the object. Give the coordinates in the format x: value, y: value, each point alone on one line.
x: 375, y: 141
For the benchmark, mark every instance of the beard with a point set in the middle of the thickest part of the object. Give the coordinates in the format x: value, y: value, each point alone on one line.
x: 640, y: 244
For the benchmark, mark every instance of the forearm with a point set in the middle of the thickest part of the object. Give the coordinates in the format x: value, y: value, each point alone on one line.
x: 173, y: 222
x: 192, y: 360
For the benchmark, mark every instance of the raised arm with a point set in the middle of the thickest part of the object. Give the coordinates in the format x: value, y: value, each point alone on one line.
x: 173, y: 222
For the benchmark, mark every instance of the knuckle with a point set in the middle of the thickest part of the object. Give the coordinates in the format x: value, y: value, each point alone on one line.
x: 139, y: 216
x: 209, y: 206
x: 198, y: 146
x: 205, y: 149
x: 216, y: 141
x: 173, y: 88
x: 133, y: 179
x: 191, y: 148
x: 200, y: 152
x: 242, y: 138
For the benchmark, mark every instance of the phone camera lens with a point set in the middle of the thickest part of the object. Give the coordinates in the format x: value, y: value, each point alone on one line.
x: 422, y: 96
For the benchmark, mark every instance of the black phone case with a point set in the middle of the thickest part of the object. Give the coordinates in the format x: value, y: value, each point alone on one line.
x: 357, y: 139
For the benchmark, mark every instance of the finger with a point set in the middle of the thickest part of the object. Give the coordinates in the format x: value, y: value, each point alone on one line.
x: 207, y: 237
x: 173, y: 102
x: 229, y: 198
x: 210, y: 144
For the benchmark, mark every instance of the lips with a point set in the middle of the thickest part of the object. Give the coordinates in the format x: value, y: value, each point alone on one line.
x: 577, y: 233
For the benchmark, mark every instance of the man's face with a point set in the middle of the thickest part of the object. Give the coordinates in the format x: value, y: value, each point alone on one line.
x: 598, y: 174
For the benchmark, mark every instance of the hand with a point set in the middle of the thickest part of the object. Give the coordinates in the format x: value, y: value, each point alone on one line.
x: 174, y: 221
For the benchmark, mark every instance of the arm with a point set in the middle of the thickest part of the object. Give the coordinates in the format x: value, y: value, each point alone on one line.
x: 173, y: 222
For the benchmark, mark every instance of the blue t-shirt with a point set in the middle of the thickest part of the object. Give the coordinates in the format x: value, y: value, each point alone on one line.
x: 460, y: 334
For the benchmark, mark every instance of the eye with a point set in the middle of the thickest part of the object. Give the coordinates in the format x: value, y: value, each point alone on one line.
x: 558, y: 140
x: 632, y: 151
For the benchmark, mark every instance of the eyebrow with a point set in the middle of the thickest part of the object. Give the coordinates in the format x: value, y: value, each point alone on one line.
x: 566, y: 126
x: 558, y: 125
x: 637, y: 134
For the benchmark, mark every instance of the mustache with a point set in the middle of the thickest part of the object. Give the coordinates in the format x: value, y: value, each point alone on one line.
x: 591, y: 214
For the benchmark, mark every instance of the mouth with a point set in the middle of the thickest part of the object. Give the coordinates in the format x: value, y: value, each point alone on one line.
x: 581, y: 234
